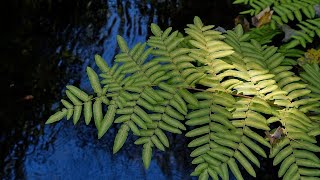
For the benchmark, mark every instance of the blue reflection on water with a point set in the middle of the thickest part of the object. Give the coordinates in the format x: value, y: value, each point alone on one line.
x: 69, y: 158
x: 65, y: 151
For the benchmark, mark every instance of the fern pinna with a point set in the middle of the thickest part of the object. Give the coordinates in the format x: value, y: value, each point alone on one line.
x: 229, y: 91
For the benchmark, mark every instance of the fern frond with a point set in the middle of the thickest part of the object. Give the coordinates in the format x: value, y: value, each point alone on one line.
x: 79, y: 99
x: 286, y: 11
x: 235, y: 95
x: 295, y: 97
x: 296, y: 152
x: 156, y: 106
x: 174, y: 59
x: 269, y: 79
x: 208, y: 49
x: 263, y: 34
x: 308, y: 30
x: 224, y: 136
x: 311, y: 76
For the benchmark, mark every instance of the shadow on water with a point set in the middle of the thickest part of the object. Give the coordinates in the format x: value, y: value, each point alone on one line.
x: 48, y: 44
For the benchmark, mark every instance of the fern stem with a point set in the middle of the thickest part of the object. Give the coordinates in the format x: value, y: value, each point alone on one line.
x: 203, y: 90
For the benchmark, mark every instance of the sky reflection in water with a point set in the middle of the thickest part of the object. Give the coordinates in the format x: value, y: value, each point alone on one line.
x: 73, y: 152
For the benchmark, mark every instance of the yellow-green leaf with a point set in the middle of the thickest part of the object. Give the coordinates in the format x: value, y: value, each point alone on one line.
x: 57, y: 116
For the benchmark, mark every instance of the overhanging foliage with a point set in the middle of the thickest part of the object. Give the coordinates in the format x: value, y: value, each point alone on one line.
x: 228, y: 89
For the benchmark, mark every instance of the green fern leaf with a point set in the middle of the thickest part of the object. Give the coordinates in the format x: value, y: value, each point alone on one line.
x: 87, y: 111
x: 57, y: 116
x: 107, y: 122
x: 146, y: 154
x: 94, y: 80
x: 120, y: 138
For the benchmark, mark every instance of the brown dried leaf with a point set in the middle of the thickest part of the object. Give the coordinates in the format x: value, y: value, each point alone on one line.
x: 264, y: 17
x: 28, y: 97
x: 243, y: 21
x: 275, y: 136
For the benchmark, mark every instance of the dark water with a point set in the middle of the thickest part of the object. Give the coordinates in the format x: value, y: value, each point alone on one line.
x: 45, y: 45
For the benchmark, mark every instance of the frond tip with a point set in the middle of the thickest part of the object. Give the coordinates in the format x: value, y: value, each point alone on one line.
x: 57, y: 116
